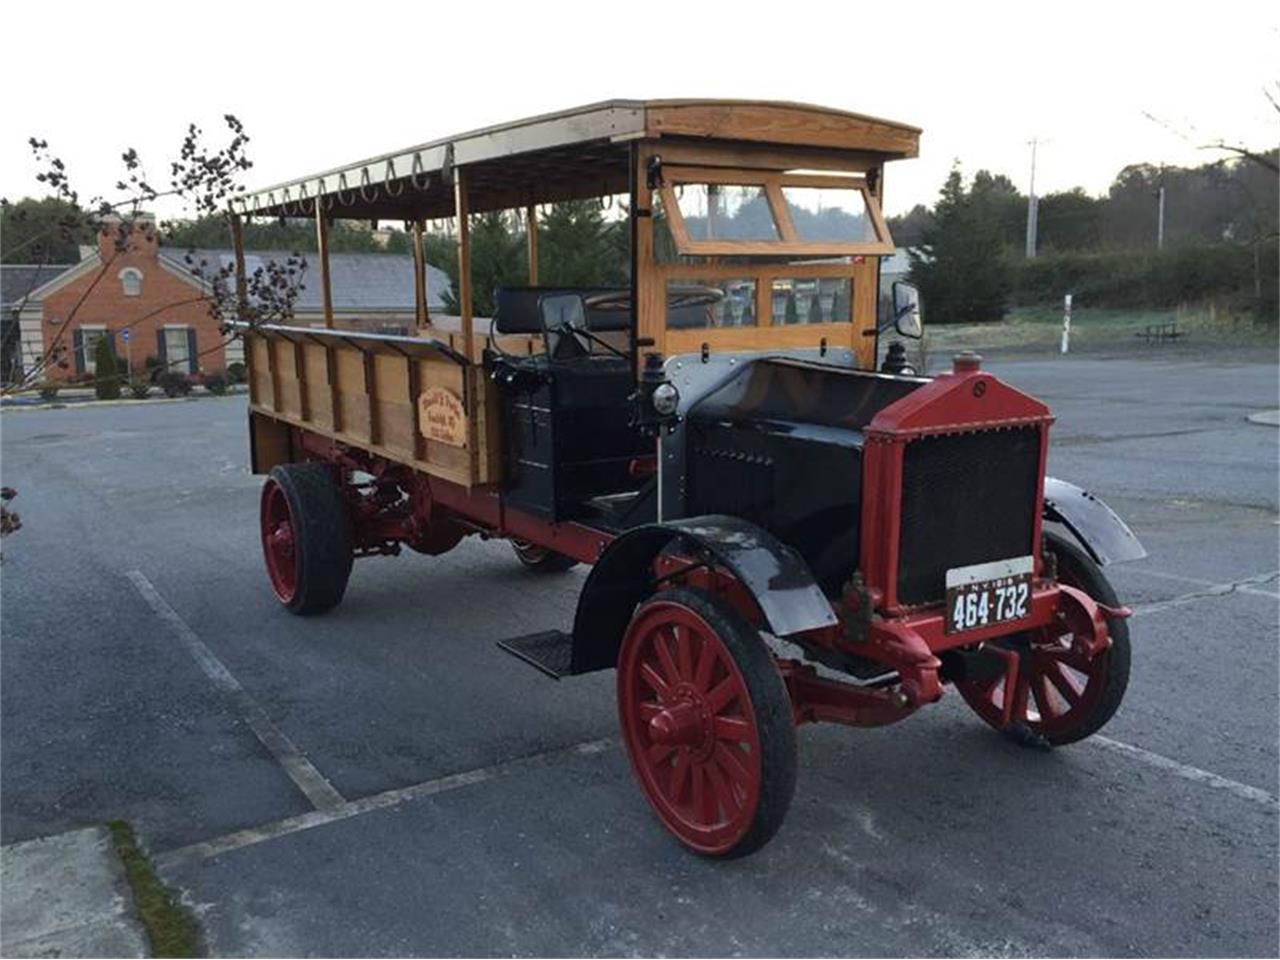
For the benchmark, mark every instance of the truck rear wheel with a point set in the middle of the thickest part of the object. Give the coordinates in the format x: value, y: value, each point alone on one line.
x: 1061, y: 696
x: 541, y: 559
x: 306, y: 539
x: 707, y: 723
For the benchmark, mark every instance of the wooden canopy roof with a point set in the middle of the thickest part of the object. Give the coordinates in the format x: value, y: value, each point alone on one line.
x: 582, y: 152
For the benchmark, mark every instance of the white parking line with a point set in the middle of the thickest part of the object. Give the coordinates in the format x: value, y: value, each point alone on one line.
x: 1187, y: 772
x: 1245, y: 585
x: 377, y: 801
x: 308, y: 779
x: 1211, y: 591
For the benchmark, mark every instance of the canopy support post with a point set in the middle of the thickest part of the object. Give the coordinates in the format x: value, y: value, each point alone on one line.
x: 322, y: 250
x: 237, y: 246
x: 472, y: 384
x: 531, y: 232
x: 421, y: 317
x: 464, y: 261
x: 648, y: 289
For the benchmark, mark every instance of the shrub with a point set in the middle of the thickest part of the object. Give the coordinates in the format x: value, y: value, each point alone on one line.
x: 49, y: 390
x: 1141, y: 279
x: 237, y: 372
x: 139, y: 388
x: 215, y: 383
x: 174, y: 384
x: 106, y: 383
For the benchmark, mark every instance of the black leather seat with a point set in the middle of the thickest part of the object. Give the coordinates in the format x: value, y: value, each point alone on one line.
x: 516, y: 309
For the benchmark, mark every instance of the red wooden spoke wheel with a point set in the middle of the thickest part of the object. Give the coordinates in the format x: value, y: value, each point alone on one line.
x: 306, y: 537
x: 279, y: 545
x: 1060, y: 694
x: 707, y: 723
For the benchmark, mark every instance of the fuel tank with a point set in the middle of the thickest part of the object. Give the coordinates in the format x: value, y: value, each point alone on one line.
x: 780, y: 443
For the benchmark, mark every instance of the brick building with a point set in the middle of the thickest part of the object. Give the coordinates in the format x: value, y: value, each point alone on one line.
x: 151, y: 292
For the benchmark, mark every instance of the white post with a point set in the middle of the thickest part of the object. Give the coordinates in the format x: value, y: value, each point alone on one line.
x: 1160, y: 221
x: 1033, y: 206
x: 1066, y: 323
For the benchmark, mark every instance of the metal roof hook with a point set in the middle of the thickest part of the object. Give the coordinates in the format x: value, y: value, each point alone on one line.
x: 416, y: 170
x: 653, y: 173
x: 388, y: 176
x: 342, y: 185
x: 446, y: 168
x: 366, y: 186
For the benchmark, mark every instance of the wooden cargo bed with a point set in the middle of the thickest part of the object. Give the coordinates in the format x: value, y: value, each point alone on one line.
x: 414, y: 400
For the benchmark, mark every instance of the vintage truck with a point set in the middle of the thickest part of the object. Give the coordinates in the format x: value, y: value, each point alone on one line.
x: 778, y: 531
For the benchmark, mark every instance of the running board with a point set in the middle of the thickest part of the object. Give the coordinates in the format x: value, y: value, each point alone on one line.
x: 550, y: 651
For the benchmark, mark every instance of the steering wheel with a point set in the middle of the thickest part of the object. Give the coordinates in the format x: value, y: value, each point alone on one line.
x: 687, y: 295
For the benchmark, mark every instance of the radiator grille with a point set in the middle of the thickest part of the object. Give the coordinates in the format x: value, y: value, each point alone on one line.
x: 966, y: 498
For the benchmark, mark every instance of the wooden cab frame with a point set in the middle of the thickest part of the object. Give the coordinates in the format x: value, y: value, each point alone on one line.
x: 326, y: 380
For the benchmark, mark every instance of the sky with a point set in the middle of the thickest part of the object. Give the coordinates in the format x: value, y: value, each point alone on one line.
x: 318, y: 85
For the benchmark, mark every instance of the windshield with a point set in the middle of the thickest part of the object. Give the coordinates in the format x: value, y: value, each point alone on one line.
x: 713, y: 212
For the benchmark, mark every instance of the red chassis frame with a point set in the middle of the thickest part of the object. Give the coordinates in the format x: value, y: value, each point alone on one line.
x: 906, y: 640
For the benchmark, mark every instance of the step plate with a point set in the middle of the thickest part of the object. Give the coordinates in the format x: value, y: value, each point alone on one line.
x: 551, y: 651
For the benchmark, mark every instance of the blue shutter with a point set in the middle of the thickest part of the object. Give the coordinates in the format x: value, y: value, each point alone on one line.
x: 77, y: 348
x: 161, y: 353
x: 192, y: 363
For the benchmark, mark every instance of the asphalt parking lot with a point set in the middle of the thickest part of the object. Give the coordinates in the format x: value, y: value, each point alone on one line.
x: 454, y: 801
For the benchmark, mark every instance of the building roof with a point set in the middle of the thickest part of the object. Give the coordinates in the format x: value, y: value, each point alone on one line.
x: 365, y: 282
x: 18, y: 280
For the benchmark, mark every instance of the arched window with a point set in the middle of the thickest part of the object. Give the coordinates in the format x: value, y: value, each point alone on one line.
x: 131, y: 282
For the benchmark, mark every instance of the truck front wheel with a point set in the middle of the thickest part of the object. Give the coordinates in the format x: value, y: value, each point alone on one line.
x: 306, y: 538
x: 707, y: 722
x: 1061, y: 696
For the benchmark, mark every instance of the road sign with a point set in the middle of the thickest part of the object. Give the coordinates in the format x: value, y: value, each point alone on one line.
x: 124, y: 335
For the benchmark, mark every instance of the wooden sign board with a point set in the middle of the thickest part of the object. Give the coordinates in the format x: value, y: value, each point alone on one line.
x: 441, y: 416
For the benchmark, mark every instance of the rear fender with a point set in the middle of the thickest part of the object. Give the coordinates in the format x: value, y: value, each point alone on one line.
x: 1103, y: 535
x: 773, y: 573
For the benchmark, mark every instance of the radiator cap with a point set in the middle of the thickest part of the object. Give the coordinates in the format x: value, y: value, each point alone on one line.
x: 966, y: 361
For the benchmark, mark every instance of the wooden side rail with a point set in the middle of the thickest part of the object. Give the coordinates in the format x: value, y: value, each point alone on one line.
x: 414, y: 400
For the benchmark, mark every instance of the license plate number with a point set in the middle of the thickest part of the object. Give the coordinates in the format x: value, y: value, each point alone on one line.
x: 988, y: 593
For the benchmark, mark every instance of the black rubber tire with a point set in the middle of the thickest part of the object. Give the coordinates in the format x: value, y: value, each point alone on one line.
x: 322, y: 536
x: 541, y: 559
x: 771, y: 704
x: 1077, y: 569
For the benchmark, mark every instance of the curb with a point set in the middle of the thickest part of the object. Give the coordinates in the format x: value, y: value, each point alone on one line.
x: 67, y: 896
x: 96, y: 404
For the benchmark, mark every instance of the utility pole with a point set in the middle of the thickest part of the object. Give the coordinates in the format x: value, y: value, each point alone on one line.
x: 1033, y: 205
x: 1160, y: 219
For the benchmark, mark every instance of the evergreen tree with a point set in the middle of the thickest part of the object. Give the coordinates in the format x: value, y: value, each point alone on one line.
x: 106, y: 381
x: 578, y: 247
x: 42, y: 231
x: 498, y: 258
x: 961, y: 269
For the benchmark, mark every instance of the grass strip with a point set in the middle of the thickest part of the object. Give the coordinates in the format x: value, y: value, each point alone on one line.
x: 170, y: 926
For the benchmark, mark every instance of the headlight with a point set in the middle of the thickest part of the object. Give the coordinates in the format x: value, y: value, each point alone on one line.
x: 665, y: 399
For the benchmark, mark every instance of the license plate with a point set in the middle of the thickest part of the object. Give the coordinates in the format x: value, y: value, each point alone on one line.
x: 988, y: 593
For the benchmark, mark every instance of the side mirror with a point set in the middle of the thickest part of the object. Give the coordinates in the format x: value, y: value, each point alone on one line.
x: 906, y: 310
x: 564, y: 322
x: 562, y: 312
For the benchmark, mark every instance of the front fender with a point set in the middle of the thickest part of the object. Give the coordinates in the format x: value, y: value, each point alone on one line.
x: 777, y: 577
x: 1100, y: 531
